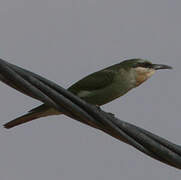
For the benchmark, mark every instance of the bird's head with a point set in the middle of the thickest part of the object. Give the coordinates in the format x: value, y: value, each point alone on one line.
x: 143, y: 69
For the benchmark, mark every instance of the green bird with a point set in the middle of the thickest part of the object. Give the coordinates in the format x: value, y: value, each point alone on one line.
x: 100, y: 87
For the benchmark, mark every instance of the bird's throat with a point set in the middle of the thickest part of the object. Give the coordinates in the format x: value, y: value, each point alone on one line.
x: 142, y: 74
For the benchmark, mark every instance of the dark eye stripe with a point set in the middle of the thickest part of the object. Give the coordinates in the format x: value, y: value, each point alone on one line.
x: 147, y: 65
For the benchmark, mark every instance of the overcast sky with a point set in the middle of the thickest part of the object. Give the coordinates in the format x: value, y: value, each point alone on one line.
x: 65, y: 40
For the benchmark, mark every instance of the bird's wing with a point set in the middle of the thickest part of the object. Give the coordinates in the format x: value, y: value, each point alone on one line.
x: 97, y: 80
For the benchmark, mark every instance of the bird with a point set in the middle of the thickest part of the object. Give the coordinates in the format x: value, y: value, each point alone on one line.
x: 100, y: 87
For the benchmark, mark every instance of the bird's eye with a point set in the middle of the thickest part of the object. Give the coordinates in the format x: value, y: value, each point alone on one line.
x: 146, y: 65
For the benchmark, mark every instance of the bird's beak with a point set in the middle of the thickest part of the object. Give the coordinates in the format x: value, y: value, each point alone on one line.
x: 161, y: 66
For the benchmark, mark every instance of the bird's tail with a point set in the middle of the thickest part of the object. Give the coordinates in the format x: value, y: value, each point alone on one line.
x: 38, y: 112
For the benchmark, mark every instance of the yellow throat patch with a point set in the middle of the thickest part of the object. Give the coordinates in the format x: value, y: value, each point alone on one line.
x: 142, y: 74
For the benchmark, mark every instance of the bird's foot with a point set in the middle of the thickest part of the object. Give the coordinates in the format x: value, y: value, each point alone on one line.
x: 111, y: 114
x: 98, y: 108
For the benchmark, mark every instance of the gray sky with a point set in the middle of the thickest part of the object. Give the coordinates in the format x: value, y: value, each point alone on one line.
x: 66, y: 40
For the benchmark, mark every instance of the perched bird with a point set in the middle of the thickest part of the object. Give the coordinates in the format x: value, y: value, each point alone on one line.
x: 100, y: 87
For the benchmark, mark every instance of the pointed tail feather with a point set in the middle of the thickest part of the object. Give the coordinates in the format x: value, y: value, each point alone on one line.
x: 21, y: 120
x: 31, y: 115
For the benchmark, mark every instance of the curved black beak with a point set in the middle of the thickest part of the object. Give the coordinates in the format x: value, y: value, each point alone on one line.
x: 161, y: 66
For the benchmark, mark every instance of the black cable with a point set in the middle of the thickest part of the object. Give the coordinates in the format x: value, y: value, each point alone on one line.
x: 59, y: 98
